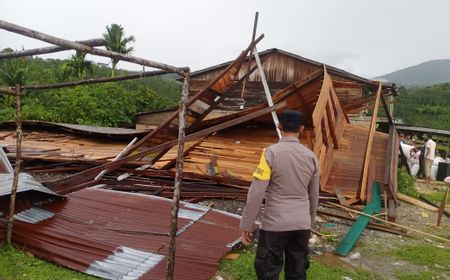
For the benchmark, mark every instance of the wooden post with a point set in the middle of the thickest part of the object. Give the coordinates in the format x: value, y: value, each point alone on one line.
x: 365, y: 171
x: 442, y: 207
x: 267, y: 91
x: 178, y: 178
x: 15, y: 184
x: 255, y: 24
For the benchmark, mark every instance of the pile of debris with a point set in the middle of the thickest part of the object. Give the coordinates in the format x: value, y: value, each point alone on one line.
x: 113, y: 208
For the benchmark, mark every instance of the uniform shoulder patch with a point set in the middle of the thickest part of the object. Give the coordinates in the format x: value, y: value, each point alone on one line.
x: 263, y: 170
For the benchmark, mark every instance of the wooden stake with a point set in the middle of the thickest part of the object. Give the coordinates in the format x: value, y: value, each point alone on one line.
x: 442, y: 207
x: 178, y: 178
x: 15, y: 184
x: 390, y: 223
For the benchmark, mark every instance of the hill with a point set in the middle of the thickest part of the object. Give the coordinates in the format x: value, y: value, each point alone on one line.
x: 426, y: 107
x: 423, y: 74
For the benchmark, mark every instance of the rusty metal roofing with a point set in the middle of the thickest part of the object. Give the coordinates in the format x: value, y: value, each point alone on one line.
x: 118, y: 235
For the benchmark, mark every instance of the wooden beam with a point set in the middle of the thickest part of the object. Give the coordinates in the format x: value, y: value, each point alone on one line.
x: 332, y: 126
x: 365, y: 170
x: 68, y: 184
x: 15, y: 184
x: 267, y: 91
x: 97, y: 80
x: 87, y: 49
x: 390, y: 223
x: 7, y: 91
x: 51, y: 49
x: 178, y: 179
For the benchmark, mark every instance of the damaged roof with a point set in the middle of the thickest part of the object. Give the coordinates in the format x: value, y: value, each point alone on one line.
x: 116, y: 235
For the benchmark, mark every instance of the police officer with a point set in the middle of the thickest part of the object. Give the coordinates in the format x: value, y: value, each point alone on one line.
x: 288, y: 175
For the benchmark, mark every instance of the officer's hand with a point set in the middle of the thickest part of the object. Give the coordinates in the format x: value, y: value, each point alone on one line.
x: 246, y: 237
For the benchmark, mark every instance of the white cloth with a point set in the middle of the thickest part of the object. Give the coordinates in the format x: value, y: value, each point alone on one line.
x: 431, y: 147
x: 434, y: 167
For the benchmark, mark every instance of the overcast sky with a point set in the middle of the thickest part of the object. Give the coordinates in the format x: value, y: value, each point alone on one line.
x: 368, y: 38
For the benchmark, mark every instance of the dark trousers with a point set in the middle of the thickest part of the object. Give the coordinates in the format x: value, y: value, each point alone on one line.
x: 274, y: 248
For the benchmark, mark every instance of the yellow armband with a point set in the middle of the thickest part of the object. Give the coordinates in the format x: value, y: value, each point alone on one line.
x: 263, y: 170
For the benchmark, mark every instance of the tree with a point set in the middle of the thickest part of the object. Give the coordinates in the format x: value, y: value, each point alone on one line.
x: 77, y: 66
x: 117, y: 42
x: 12, y: 72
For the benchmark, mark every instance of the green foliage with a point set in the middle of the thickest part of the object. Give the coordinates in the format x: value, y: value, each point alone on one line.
x: 427, y: 106
x: 77, y: 67
x: 406, y: 183
x: 425, y: 254
x: 13, y: 71
x: 109, y: 104
x: 17, y: 265
x: 117, y: 42
x: 436, y: 196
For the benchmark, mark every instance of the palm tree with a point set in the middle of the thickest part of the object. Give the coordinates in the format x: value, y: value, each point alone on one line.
x: 77, y: 66
x: 12, y: 72
x: 117, y: 42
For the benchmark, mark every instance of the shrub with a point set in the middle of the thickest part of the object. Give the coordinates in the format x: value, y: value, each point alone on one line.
x: 406, y: 183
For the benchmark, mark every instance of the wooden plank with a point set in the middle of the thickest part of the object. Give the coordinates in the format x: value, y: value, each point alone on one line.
x: 365, y: 170
x: 341, y: 197
x: 332, y: 127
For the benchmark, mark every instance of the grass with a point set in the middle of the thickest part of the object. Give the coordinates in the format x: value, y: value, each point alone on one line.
x: 437, y: 196
x: 15, y: 264
x: 424, y: 275
x: 242, y: 269
x: 424, y: 254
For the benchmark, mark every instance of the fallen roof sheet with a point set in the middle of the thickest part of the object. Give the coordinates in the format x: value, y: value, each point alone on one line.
x: 26, y: 183
x: 97, y: 231
x: 5, y: 165
x: 80, y: 129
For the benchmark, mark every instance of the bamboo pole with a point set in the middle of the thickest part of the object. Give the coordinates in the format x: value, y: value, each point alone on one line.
x: 389, y: 223
x: 8, y: 91
x: 15, y: 184
x: 83, y: 48
x: 178, y: 179
x: 51, y: 49
x: 96, y: 81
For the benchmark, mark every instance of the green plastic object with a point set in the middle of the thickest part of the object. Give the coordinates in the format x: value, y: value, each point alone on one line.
x: 361, y: 222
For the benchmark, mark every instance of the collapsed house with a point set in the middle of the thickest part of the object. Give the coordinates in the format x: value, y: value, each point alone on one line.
x: 84, y: 223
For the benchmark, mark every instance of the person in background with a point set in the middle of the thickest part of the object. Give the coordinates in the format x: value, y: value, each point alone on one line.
x: 288, y: 174
x: 421, y: 171
x: 430, y: 150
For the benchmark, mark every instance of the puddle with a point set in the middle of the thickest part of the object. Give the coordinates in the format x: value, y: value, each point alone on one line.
x: 333, y: 260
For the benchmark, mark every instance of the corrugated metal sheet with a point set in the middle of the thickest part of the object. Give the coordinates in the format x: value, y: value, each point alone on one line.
x: 5, y: 165
x: 33, y: 215
x: 94, y: 229
x: 26, y: 183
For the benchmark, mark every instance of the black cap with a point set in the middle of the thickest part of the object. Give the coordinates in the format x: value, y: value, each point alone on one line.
x: 291, y: 120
